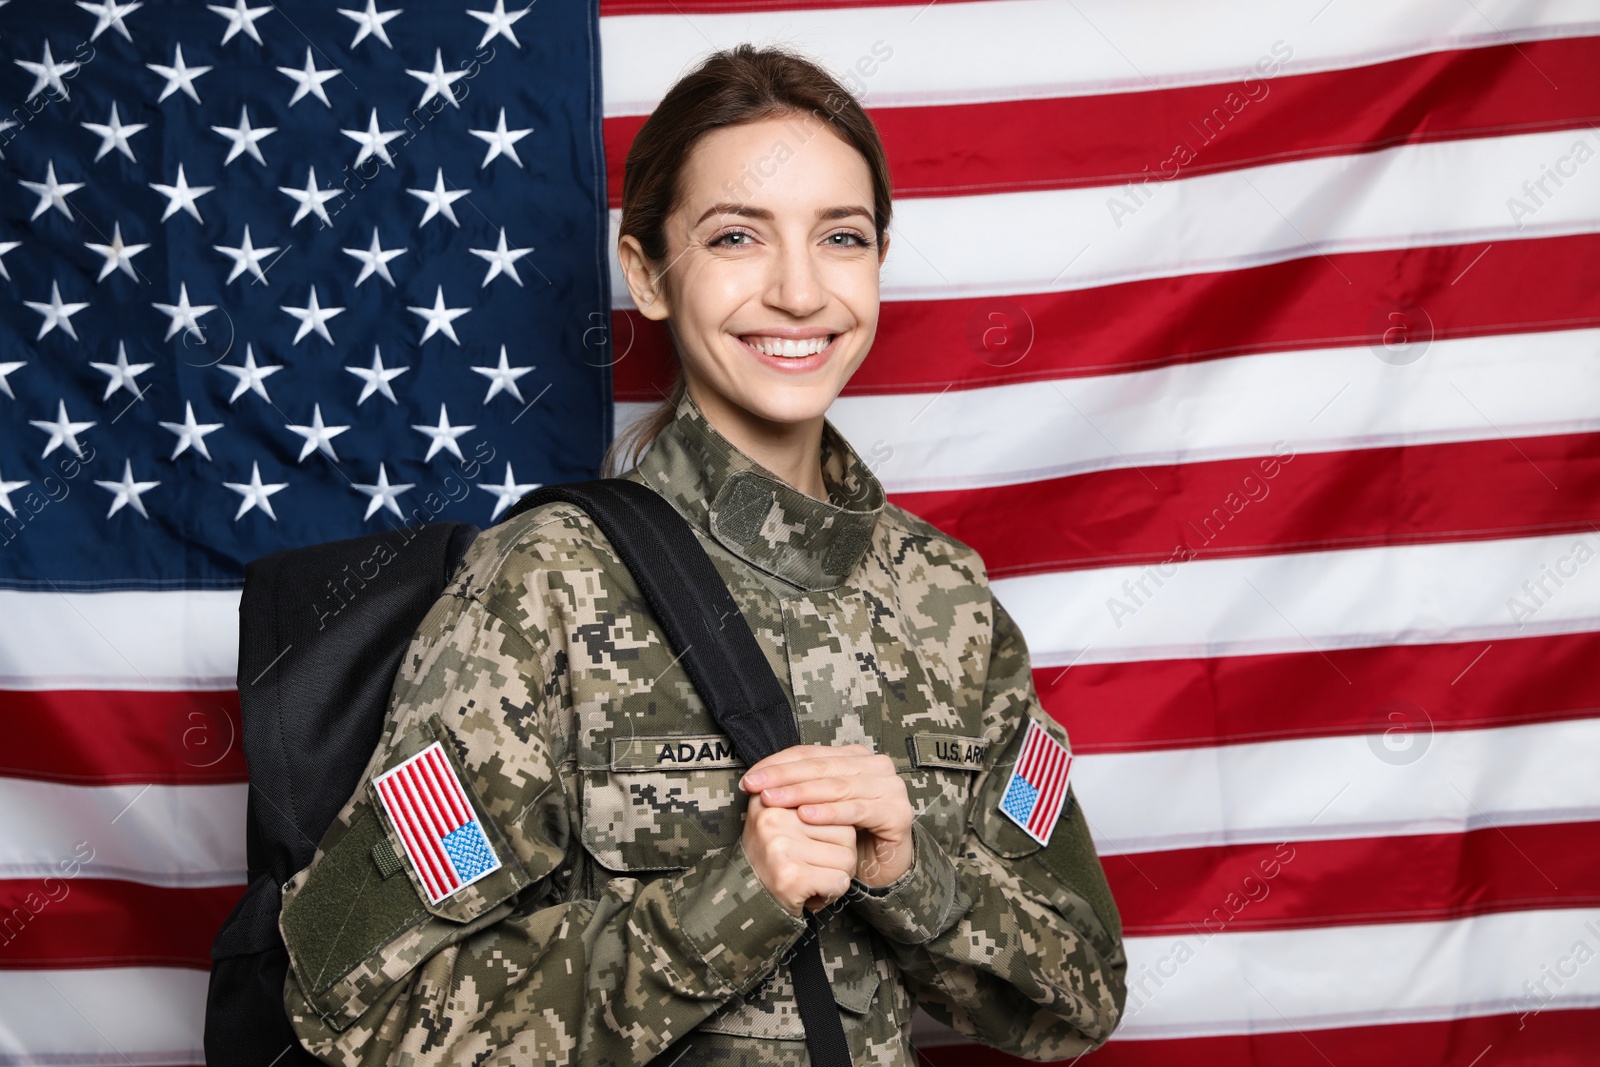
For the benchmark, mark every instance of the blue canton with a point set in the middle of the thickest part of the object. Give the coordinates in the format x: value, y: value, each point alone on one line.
x: 1019, y: 799
x: 469, y: 851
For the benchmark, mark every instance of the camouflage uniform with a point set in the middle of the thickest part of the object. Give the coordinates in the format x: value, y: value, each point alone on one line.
x: 626, y: 918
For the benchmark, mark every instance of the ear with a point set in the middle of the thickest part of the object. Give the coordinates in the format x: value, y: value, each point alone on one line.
x: 648, y: 292
x: 883, y: 248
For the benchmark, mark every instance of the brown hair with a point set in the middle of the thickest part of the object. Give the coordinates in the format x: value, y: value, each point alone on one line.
x: 733, y: 87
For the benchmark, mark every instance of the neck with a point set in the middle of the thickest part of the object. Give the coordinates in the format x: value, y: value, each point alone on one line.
x: 792, y: 451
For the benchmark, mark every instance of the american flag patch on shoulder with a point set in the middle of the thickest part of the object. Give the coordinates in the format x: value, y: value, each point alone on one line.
x: 430, y: 809
x: 1038, y: 785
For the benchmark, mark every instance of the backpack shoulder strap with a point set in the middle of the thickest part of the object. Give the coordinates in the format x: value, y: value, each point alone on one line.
x: 730, y: 672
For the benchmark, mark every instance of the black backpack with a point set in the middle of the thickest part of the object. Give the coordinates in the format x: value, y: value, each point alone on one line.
x: 321, y: 634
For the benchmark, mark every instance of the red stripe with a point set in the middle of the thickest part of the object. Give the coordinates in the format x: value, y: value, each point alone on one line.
x: 430, y: 821
x: 1415, y: 878
x: 612, y: 8
x: 1044, y: 816
x: 1185, y: 703
x: 1550, y: 1038
x: 1113, y: 138
x: 428, y: 829
x: 926, y: 346
x: 111, y: 737
x: 417, y: 843
x: 1030, y: 751
x: 1042, y: 782
x: 1464, y: 491
x: 444, y: 781
x: 103, y: 922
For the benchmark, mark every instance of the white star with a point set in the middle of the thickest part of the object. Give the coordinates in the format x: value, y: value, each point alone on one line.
x: 184, y: 315
x: 121, y: 374
x: 443, y: 436
x: 182, y: 195
x: 6, y: 246
x: 127, y: 491
x: 501, y: 141
x: 6, y: 370
x: 381, y: 494
x: 319, y: 437
x: 374, y: 259
x: 48, y: 72
x: 191, y: 433
x: 506, y: 493
x: 56, y: 313
x: 373, y: 141
x: 114, y: 134
x: 63, y: 431
x: 370, y: 22
x: 52, y: 194
x: 503, y: 378
x: 239, y: 18
x: 498, y: 22
x: 119, y: 256
x: 501, y: 260
x: 309, y: 79
x: 440, y: 318
x: 255, y: 494
x: 438, y: 82
x: 311, y: 199
x: 438, y: 200
x: 6, y: 489
x: 250, y: 376
x: 376, y: 379
x: 312, y: 317
x: 108, y: 15
x: 179, y: 76
x: 246, y: 257
x: 245, y: 138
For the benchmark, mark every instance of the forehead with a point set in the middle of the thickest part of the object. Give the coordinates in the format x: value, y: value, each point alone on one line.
x: 792, y: 164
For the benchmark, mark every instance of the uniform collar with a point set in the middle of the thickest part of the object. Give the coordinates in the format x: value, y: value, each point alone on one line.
x: 758, y: 516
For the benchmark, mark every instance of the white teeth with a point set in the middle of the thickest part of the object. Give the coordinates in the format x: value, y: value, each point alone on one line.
x: 775, y: 346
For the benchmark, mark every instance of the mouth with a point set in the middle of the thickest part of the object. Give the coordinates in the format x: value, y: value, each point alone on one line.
x: 788, y: 354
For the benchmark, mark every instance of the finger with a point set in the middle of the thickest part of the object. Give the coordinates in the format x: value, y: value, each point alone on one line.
x: 817, y: 791
x: 851, y: 813
x: 827, y: 855
x: 823, y: 764
x: 802, y: 752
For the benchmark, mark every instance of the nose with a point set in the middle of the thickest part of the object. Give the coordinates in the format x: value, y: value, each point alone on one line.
x: 795, y: 285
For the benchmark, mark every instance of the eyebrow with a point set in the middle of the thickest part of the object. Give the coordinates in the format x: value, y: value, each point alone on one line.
x: 746, y: 211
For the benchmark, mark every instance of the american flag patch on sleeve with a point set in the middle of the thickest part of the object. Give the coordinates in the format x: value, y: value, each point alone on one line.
x: 1038, y: 785
x: 443, y: 838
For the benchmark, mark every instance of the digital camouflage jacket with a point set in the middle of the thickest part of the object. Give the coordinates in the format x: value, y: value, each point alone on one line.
x: 624, y: 920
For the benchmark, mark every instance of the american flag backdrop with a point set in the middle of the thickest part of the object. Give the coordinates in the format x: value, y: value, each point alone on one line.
x: 1255, y: 345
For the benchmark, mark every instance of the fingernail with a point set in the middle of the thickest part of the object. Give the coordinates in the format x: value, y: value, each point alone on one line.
x: 773, y: 796
x: 753, y: 781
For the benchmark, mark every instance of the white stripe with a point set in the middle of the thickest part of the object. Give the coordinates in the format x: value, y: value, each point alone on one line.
x: 1310, y: 601
x: 188, y: 835
x: 1026, y: 49
x: 1343, y: 976
x: 1228, y: 982
x: 104, y: 1017
x: 144, y: 640
x: 1439, y: 193
x: 1318, y: 400
x: 1340, y: 787
x: 1336, y: 787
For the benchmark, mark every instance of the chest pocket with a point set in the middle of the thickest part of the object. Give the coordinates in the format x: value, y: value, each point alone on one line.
x: 661, y: 802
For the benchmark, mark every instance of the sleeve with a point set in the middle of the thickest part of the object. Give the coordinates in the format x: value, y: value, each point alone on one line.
x: 516, y: 962
x: 1014, y: 944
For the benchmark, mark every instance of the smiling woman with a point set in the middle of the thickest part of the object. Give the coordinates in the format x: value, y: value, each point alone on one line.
x: 616, y: 881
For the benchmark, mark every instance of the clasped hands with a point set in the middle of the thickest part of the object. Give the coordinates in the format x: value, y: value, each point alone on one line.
x: 821, y: 815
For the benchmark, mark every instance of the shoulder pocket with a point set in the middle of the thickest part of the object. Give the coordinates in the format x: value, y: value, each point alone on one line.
x: 363, y: 915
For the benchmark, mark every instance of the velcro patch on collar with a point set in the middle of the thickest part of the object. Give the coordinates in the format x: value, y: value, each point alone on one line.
x: 437, y: 823
x: 698, y: 752
x: 950, y: 751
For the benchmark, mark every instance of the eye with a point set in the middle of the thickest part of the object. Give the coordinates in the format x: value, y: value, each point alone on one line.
x: 721, y: 240
x: 853, y: 239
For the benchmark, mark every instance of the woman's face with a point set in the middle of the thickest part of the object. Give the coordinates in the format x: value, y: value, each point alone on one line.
x: 771, y: 283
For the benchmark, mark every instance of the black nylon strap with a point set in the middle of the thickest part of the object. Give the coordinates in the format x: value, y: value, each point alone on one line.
x: 730, y: 672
